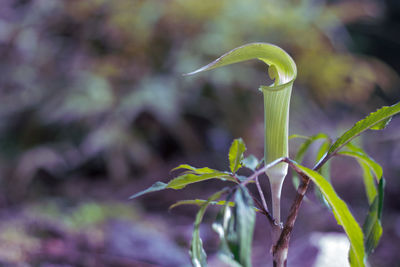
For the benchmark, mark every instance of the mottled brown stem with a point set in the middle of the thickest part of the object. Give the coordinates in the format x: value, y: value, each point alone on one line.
x: 280, y: 249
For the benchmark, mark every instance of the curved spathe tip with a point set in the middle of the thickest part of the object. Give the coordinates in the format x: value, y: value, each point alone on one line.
x: 282, y: 67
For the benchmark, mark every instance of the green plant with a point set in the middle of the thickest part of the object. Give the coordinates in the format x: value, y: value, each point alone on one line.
x: 235, y: 222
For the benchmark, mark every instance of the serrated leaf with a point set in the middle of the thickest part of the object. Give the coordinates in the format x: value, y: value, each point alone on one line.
x: 155, y: 187
x: 197, y: 253
x: 190, y: 178
x: 191, y: 169
x: 250, y: 162
x: 194, y: 175
x: 381, y: 125
x: 376, y: 120
x: 341, y: 211
x: 236, y: 152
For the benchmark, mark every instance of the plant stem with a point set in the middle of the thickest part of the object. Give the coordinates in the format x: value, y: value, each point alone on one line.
x: 280, y: 250
x: 260, y: 192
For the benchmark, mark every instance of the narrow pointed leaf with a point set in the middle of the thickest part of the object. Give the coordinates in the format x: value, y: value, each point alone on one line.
x: 190, y: 178
x: 375, y: 167
x: 375, y: 121
x: 381, y: 125
x: 372, y: 227
x: 236, y: 152
x: 303, y: 150
x: 200, y: 202
x: 341, y: 211
x: 370, y: 169
x: 191, y: 169
x: 299, y: 136
x: 245, y: 219
x: 197, y: 253
x: 324, y: 170
x: 155, y: 187
x: 368, y: 179
x: 224, y: 227
x: 235, y: 227
x: 194, y: 175
x: 306, y: 145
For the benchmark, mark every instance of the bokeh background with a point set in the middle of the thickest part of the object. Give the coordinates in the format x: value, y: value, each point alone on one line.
x: 94, y: 108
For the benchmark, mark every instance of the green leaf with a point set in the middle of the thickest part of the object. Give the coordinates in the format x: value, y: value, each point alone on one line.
x: 192, y: 175
x: 155, y: 187
x: 304, y: 148
x: 191, y: 169
x: 306, y: 145
x: 341, y: 211
x: 293, y: 136
x: 200, y: 202
x: 375, y: 167
x: 250, y: 162
x: 372, y: 227
x: 369, y: 184
x: 236, y: 154
x: 369, y: 167
x: 190, y: 178
x: 235, y: 230
x: 381, y: 125
x: 324, y: 170
x: 245, y: 219
x: 224, y: 227
x: 375, y: 120
x: 197, y: 253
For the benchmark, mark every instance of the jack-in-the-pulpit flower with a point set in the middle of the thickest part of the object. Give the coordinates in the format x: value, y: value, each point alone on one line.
x: 282, y: 70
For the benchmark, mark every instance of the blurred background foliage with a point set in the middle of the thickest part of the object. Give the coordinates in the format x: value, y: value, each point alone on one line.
x: 93, y: 104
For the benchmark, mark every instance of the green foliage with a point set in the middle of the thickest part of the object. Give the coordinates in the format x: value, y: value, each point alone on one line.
x: 251, y: 162
x: 304, y: 148
x: 236, y: 154
x: 372, y: 227
x: 197, y: 253
x: 235, y: 229
x: 376, y: 121
x: 235, y: 221
x: 199, y: 202
x: 369, y: 167
x: 155, y: 187
x: 363, y: 157
x: 190, y: 176
x: 342, y: 213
